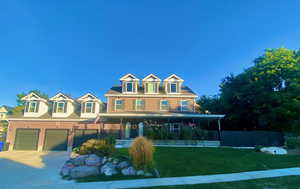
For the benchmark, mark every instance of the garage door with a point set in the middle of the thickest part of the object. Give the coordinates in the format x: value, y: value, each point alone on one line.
x: 82, y: 135
x: 56, y: 140
x: 26, y: 139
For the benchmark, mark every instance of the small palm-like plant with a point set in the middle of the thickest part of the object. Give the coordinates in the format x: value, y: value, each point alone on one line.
x: 141, y: 153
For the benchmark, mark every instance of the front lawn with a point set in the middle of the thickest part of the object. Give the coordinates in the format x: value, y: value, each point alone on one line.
x: 289, y: 182
x: 176, y: 162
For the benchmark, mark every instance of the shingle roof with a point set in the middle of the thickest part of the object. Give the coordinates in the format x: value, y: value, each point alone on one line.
x: 117, y: 89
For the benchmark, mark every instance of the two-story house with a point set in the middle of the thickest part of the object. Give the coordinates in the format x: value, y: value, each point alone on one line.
x: 62, y: 122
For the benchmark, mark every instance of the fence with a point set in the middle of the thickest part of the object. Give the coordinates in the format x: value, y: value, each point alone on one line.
x: 251, y: 138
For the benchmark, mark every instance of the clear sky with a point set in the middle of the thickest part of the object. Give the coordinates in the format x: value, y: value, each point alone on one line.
x: 77, y: 46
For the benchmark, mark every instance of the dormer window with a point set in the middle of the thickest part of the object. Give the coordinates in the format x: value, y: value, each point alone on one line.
x: 173, y: 87
x: 151, y: 84
x: 89, y: 107
x: 129, y: 87
x: 173, y: 84
x: 60, y: 107
x: 130, y: 83
x: 31, y: 106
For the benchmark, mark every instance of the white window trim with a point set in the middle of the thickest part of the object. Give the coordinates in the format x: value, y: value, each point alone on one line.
x: 116, y: 104
x: 136, y: 105
x: 92, y: 107
x: 160, y: 105
x: 187, y: 106
x: 132, y: 87
x: 35, y: 107
x: 156, y: 85
x: 64, y: 103
x: 177, y: 88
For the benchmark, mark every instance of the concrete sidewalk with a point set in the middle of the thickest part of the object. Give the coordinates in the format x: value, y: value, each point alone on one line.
x: 178, y: 180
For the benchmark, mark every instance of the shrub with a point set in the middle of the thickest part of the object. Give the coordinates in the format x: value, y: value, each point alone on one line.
x: 186, y: 133
x: 292, y: 143
x: 141, y: 153
x: 110, y: 139
x: 99, y: 147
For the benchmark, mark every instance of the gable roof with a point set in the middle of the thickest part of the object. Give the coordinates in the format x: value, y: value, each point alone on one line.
x: 61, y: 96
x: 151, y: 77
x: 33, y: 96
x: 3, y: 109
x: 129, y: 77
x: 89, y: 96
x: 174, y: 77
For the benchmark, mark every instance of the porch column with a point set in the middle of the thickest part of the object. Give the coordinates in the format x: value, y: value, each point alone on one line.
x: 127, y: 130
x: 219, y: 128
x: 141, y: 129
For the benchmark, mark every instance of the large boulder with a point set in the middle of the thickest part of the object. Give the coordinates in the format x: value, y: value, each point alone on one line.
x: 65, y: 171
x: 108, y: 169
x: 123, y: 164
x: 274, y: 150
x: 79, y: 160
x: 128, y: 171
x: 83, y: 171
x: 140, y: 172
x: 93, y: 160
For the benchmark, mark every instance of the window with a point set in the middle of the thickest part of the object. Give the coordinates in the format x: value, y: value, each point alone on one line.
x: 151, y: 87
x: 60, y: 107
x: 173, y: 87
x: 184, y: 105
x: 139, y: 104
x: 164, y: 105
x: 129, y: 87
x: 119, y: 104
x: 32, y: 107
x: 89, y: 107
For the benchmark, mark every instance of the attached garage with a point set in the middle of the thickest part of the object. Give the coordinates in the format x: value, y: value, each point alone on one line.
x: 26, y: 139
x: 56, y: 140
x: 82, y: 135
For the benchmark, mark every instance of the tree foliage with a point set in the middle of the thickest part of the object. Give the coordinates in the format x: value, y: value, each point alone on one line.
x: 20, y: 103
x: 264, y: 96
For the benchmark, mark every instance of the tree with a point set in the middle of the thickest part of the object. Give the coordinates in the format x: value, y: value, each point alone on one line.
x: 266, y: 95
x: 20, y: 103
x: 210, y: 104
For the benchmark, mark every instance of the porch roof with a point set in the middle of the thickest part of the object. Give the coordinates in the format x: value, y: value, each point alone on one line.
x: 158, y: 115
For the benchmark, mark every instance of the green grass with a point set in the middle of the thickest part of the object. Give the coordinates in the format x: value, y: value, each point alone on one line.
x: 289, y: 182
x: 176, y: 162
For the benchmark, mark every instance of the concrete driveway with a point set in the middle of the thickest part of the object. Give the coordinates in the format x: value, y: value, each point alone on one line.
x: 29, y: 169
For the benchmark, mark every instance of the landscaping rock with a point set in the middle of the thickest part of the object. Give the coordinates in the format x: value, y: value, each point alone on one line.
x: 115, y: 161
x: 140, y: 172
x: 104, y: 160
x: 93, y: 160
x: 123, y: 164
x: 74, y: 155
x: 65, y: 171
x: 128, y: 171
x: 274, y: 150
x: 83, y: 171
x: 80, y: 160
x: 108, y: 169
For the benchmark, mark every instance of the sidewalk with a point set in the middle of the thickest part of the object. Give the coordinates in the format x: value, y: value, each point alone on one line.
x: 177, y: 180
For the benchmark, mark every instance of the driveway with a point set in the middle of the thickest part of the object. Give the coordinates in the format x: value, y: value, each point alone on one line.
x: 29, y: 169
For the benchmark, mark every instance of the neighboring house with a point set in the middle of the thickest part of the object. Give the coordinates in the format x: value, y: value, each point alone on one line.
x: 62, y: 122
x: 3, y: 112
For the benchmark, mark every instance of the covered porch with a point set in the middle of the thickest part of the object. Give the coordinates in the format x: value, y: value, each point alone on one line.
x: 162, y: 126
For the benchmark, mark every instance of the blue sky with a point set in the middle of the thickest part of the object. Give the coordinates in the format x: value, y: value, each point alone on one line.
x: 86, y: 46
